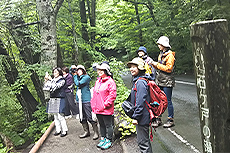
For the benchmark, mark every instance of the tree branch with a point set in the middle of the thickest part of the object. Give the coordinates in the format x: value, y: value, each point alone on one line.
x: 19, y: 25
x: 137, y: 2
x: 57, y: 6
x: 25, y: 24
x: 5, y: 21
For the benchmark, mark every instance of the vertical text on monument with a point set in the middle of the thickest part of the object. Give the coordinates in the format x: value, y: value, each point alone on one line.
x: 211, y: 58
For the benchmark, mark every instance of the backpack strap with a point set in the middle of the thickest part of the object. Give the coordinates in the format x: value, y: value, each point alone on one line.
x: 135, y: 87
x: 148, y: 106
x: 152, y: 116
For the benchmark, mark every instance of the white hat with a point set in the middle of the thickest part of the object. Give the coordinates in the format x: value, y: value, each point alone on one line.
x: 81, y: 67
x: 137, y: 61
x: 164, y: 41
x: 104, y: 66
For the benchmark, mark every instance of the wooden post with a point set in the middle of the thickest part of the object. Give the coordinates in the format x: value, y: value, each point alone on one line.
x: 210, y: 41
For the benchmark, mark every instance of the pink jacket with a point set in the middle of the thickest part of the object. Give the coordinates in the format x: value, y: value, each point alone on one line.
x: 104, y: 95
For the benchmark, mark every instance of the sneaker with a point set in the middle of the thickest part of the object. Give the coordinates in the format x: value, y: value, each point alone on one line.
x: 63, y: 134
x: 78, y: 117
x: 157, y: 122
x: 169, y: 123
x: 101, y: 143
x: 68, y: 117
x: 106, y: 145
x: 57, y: 133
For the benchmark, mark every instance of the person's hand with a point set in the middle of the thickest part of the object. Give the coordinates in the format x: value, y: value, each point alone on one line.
x: 150, y: 61
x: 75, y: 73
x: 154, y: 63
x: 47, y: 77
x: 135, y: 122
x: 101, y: 109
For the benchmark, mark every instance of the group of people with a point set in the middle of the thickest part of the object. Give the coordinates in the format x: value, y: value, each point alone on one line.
x: 62, y: 101
x: 163, y: 76
x: 101, y: 103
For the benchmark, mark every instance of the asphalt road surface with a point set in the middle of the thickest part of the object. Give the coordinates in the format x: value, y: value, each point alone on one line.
x: 185, y: 136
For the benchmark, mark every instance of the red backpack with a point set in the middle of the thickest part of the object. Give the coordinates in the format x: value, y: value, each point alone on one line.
x: 158, y: 101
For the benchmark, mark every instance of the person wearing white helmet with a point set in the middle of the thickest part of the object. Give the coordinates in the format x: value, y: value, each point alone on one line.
x: 138, y: 97
x: 164, y: 77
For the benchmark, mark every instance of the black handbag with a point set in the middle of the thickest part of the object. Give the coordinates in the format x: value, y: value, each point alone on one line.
x: 128, y: 107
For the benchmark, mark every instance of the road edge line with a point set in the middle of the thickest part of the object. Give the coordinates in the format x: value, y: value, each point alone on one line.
x: 184, y: 141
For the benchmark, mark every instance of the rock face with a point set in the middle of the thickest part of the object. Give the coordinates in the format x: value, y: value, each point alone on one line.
x: 211, y: 51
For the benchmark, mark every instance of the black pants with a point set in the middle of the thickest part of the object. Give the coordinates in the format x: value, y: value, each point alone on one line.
x: 87, y: 113
x: 143, y: 138
x: 70, y: 104
x: 106, y: 125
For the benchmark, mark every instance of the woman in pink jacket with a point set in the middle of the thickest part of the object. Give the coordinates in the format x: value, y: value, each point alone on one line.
x: 102, y: 103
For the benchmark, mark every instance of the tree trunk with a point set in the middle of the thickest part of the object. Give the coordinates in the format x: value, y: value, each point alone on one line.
x: 26, y: 99
x: 150, y: 7
x: 26, y: 47
x: 139, y: 22
x: 22, y: 40
x: 84, y: 31
x: 76, y: 54
x: 47, y: 15
x: 92, y: 18
x: 59, y: 57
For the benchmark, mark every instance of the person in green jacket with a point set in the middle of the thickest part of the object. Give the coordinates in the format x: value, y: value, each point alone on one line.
x: 82, y: 80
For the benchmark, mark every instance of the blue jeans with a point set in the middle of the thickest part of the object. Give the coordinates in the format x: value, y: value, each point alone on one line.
x: 168, y: 92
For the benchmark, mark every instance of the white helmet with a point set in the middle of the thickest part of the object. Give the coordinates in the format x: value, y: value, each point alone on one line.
x: 164, y: 41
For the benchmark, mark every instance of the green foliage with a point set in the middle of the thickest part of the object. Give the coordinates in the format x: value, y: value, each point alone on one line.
x: 126, y: 128
x: 118, y: 68
x: 12, y: 119
x: 24, y: 77
x: 119, y: 29
x: 4, y: 149
x: 40, y: 123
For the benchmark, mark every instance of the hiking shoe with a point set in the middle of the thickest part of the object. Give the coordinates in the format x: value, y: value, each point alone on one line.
x: 68, y: 117
x: 57, y: 133
x: 78, y: 117
x: 63, y: 134
x: 169, y: 123
x: 101, y: 143
x: 157, y: 122
x: 106, y: 145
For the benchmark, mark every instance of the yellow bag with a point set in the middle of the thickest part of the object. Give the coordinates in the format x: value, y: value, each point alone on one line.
x: 148, y: 69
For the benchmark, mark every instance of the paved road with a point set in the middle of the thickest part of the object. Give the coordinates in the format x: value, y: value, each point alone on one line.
x: 184, y: 137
